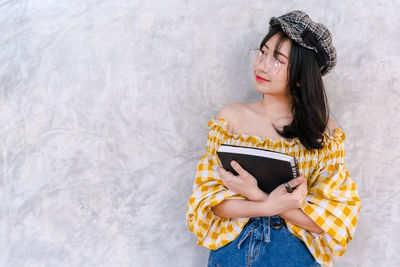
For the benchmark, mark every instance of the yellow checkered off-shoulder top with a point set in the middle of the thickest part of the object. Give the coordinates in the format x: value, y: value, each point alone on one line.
x: 332, y: 200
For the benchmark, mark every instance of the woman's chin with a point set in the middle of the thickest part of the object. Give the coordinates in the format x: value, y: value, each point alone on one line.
x: 261, y: 89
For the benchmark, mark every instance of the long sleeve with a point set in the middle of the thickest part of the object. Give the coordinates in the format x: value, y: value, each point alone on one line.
x: 332, y: 202
x: 211, y: 230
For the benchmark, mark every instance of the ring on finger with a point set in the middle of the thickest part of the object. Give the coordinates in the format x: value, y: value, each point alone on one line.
x: 288, y: 188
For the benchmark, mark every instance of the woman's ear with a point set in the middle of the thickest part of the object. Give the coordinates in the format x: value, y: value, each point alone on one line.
x: 298, y: 84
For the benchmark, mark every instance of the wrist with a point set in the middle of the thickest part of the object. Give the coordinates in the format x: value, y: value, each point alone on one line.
x: 259, y: 195
x: 285, y: 214
x: 268, y: 208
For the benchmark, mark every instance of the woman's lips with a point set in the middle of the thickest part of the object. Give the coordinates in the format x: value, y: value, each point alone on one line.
x: 261, y: 80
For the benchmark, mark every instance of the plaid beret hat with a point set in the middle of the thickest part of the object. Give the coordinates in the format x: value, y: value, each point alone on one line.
x: 309, y: 34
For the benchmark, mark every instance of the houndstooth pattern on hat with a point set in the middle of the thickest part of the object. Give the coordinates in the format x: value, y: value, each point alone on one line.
x: 309, y: 34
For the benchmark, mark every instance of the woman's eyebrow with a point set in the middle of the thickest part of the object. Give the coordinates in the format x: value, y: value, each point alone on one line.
x: 279, y: 53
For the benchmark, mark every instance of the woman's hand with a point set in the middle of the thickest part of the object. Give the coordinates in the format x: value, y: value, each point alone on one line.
x: 244, y: 183
x: 280, y: 200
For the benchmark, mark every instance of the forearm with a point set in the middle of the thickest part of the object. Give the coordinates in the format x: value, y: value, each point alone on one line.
x: 295, y: 216
x: 245, y: 209
x: 301, y: 219
x: 258, y: 206
x: 239, y: 208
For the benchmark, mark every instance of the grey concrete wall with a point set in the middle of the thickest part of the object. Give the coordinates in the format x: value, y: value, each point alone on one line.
x: 103, y: 109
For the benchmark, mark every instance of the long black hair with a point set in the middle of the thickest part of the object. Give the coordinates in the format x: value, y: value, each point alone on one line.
x: 310, y: 107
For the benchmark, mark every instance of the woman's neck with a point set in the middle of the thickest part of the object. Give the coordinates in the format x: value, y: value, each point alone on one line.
x: 275, y: 106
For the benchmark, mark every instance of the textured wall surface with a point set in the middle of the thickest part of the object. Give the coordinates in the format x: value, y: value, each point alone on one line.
x: 103, y: 113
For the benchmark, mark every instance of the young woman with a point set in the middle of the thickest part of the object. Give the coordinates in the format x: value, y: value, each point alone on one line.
x: 311, y: 225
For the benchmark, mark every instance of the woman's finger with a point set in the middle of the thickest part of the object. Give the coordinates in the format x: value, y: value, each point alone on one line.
x: 296, y: 181
x: 302, y: 188
x: 224, y: 174
x: 242, y: 172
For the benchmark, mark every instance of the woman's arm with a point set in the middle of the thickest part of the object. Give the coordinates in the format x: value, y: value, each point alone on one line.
x: 237, y: 208
x: 240, y: 208
x: 302, y: 220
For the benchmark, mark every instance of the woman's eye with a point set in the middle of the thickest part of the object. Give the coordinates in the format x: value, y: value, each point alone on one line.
x: 263, y: 52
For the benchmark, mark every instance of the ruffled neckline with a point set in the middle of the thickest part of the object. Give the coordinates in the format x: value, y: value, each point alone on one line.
x: 338, y: 135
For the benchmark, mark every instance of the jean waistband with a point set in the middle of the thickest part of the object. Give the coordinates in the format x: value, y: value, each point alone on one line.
x: 259, y: 228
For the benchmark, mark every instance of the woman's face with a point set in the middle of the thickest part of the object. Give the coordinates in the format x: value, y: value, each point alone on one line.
x: 276, y: 84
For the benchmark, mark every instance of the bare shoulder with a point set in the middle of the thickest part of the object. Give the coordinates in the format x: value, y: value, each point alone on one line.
x: 331, y: 127
x: 231, y: 112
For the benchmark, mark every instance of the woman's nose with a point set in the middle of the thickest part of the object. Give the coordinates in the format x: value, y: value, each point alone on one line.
x: 262, y: 64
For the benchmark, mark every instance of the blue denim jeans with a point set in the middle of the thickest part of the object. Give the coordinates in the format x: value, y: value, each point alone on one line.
x: 264, y: 241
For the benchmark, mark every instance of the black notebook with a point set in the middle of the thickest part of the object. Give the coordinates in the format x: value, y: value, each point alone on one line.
x: 270, y: 168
